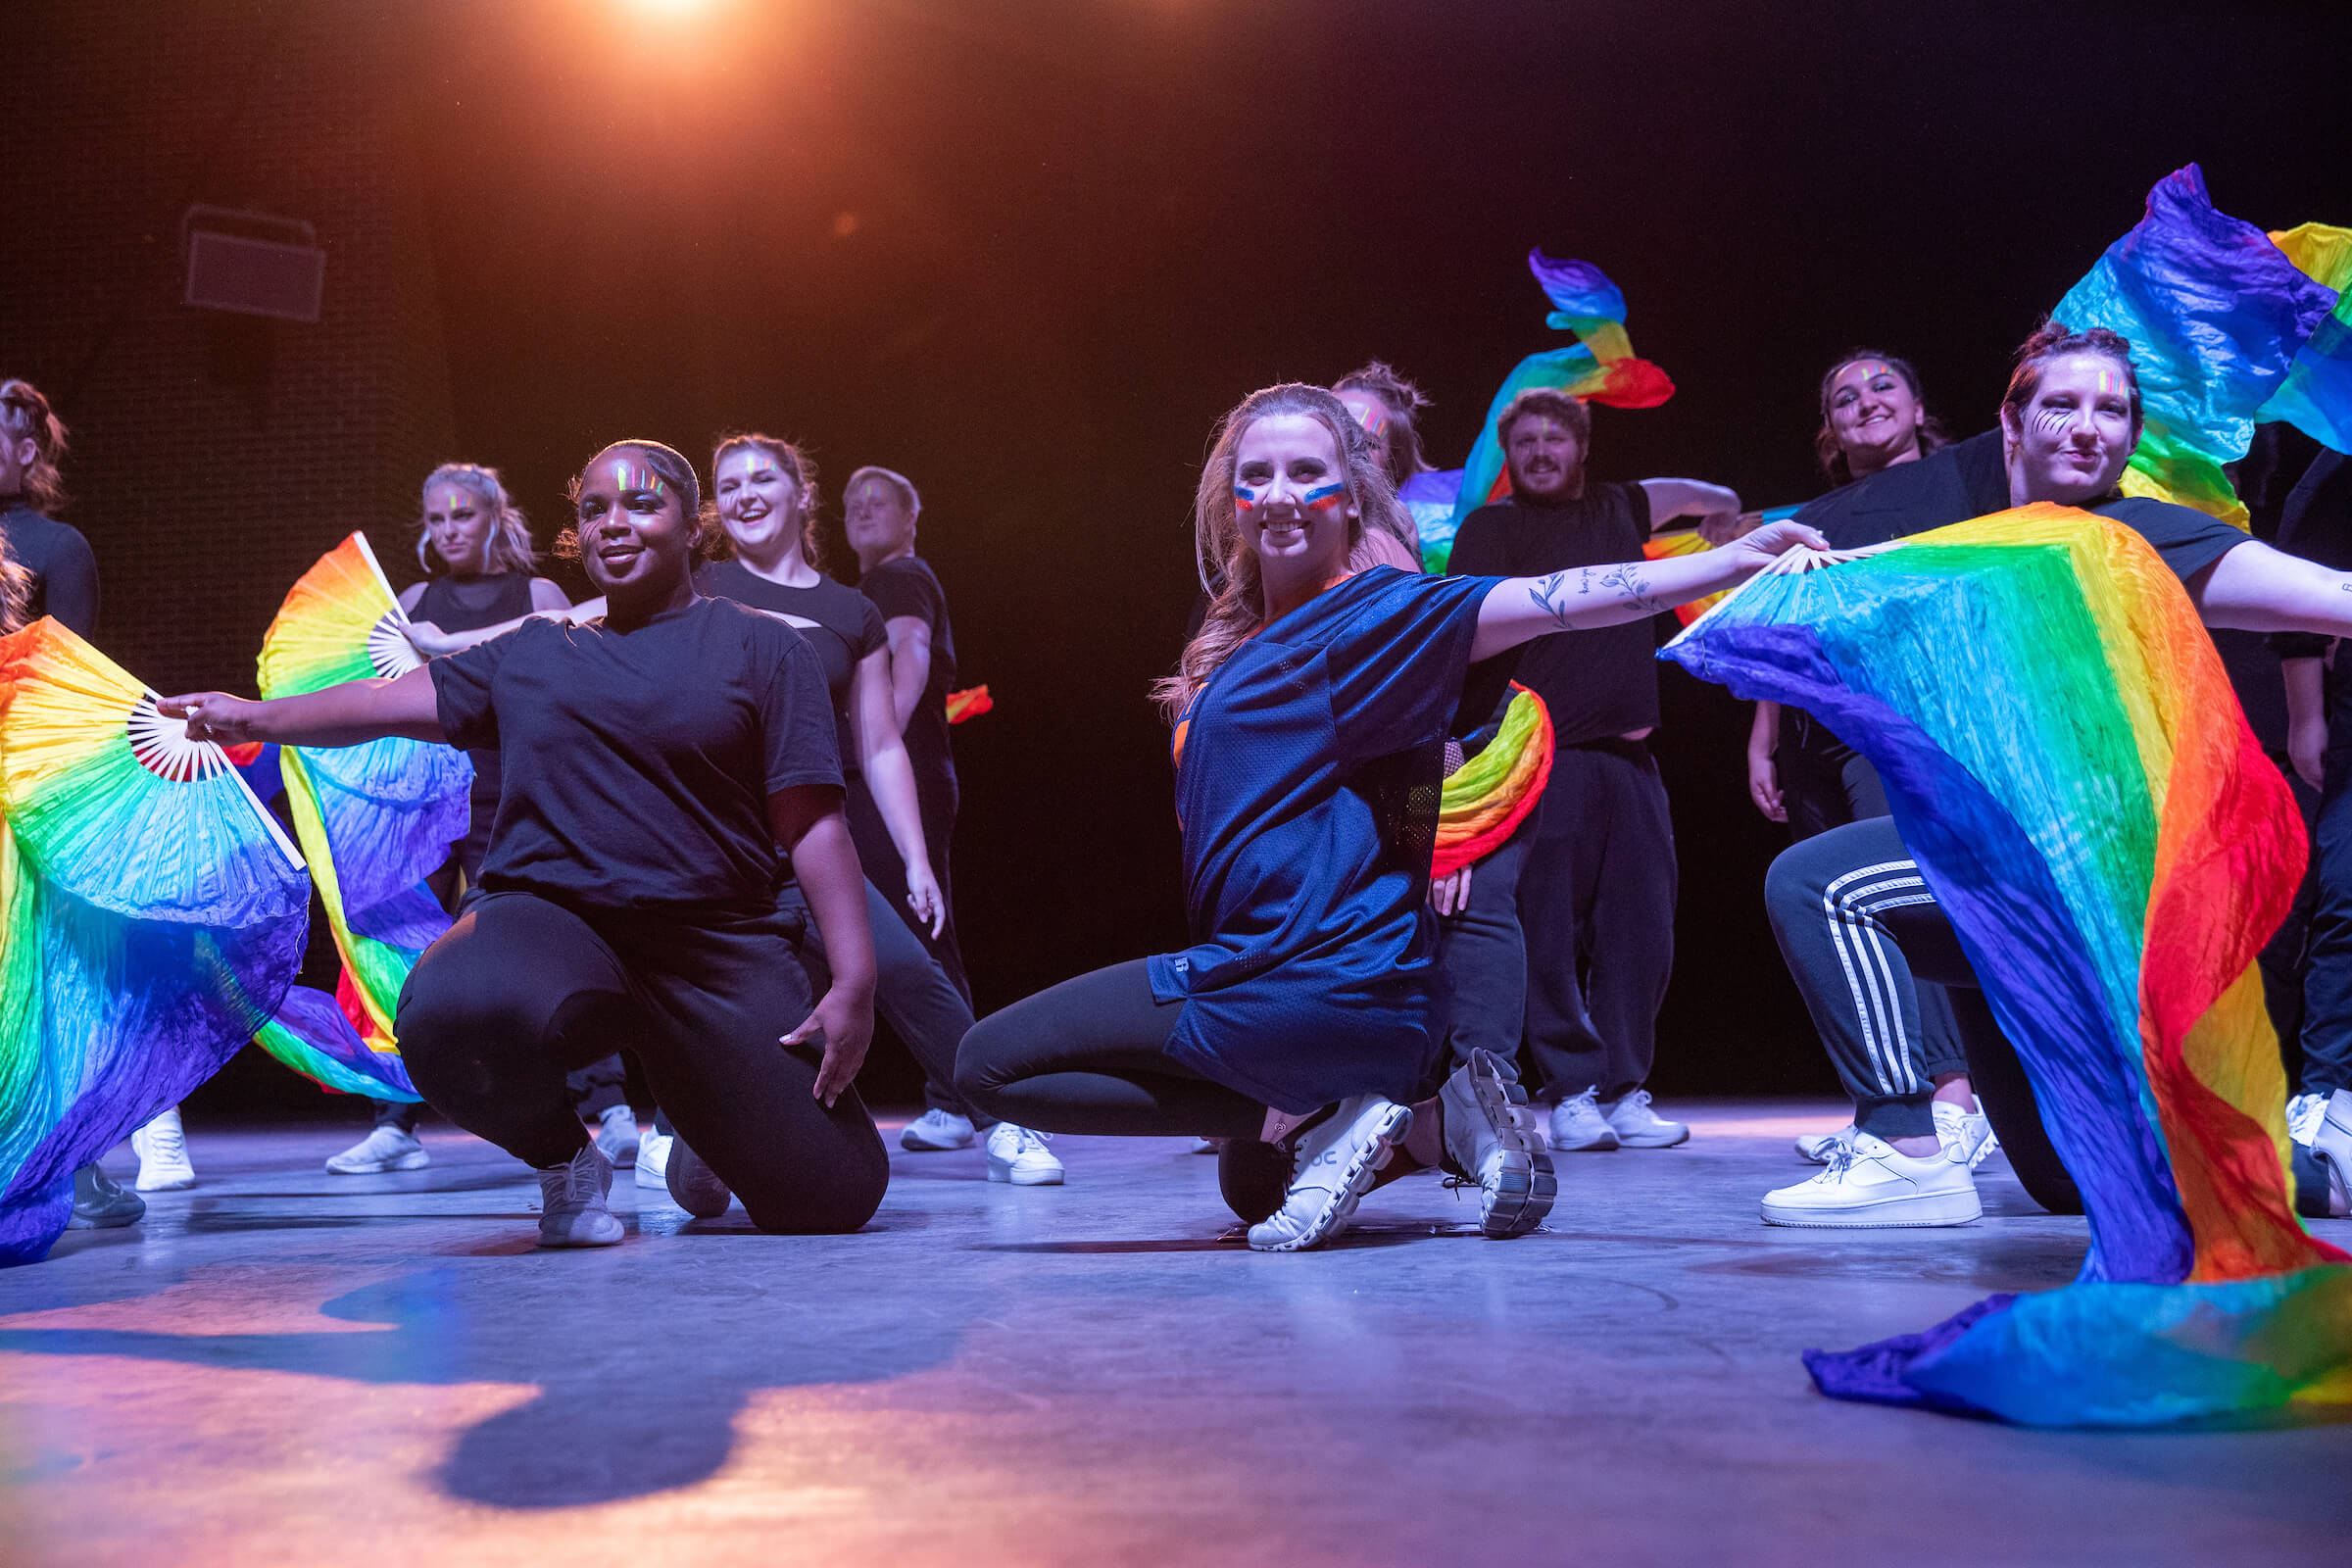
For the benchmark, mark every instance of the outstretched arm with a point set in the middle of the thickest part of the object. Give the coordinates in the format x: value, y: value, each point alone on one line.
x: 808, y: 823
x: 547, y: 603
x: 348, y: 715
x: 1586, y: 597
x: 1716, y: 507
x: 2260, y: 589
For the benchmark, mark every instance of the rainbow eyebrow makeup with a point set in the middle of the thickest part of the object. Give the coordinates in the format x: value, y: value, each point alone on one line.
x: 1323, y: 496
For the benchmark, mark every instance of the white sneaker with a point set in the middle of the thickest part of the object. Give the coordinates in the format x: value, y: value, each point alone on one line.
x: 1491, y: 1134
x: 617, y: 1136
x: 1969, y: 1130
x: 1020, y: 1156
x: 2331, y: 1150
x: 693, y: 1185
x: 163, y: 1151
x: 1331, y: 1172
x: 652, y: 1161
x: 2304, y: 1113
x: 1578, y: 1124
x: 571, y: 1201
x: 1638, y: 1127
x: 936, y: 1129
x: 1817, y: 1147
x: 1869, y: 1184
x: 385, y: 1148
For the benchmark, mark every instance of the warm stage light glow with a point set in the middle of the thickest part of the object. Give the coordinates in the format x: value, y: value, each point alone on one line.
x: 670, y: 9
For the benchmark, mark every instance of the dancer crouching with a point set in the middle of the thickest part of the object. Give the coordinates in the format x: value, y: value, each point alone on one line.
x: 654, y: 761
x: 1311, y: 714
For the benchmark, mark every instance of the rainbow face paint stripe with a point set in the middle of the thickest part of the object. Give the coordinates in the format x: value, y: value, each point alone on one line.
x: 1375, y: 418
x: 1245, y: 499
x: 628, y: 476
x: 2061, y: 748
x: 1323, y: 497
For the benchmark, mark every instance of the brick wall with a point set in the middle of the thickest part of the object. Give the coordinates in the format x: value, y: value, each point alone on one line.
x: 216, y: 457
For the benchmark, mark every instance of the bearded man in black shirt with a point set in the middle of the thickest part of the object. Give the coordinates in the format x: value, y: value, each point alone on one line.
x: 1588, y: 885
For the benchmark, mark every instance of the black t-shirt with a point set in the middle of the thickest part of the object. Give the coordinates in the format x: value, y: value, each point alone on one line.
x: 907, y: 587
x: 638, y: 764
x: 65, y: 574
x: 845, y: 627
x: 1953, y: 484
x: 465, y: 603
x: 2317, y: 524
x: 1970, y: 479
x: 1597, y: 683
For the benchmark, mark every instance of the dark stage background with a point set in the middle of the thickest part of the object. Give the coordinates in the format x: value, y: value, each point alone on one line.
x: 1027, y: 254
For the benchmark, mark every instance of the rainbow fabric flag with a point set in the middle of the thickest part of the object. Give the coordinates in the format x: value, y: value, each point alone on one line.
x: 1598, y: 369
x: 2317, y: 397
x: 2067, y: 763
x: 2226, y: 327
x: 152, y: 916
x: 1484, y: 799
x: 969, y: 704
x: 374, y: 820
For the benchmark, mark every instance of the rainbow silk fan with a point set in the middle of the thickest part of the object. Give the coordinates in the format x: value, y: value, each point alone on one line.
x: 374, y: 820
x: 152, y: 917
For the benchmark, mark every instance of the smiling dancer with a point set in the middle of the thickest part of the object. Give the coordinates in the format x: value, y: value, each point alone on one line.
x: 476, y: 547
x: 766, y: 501
x: 1311, y: 714
x: 659, y: 765
x: 2067, y: 427
x: 1872, y: 418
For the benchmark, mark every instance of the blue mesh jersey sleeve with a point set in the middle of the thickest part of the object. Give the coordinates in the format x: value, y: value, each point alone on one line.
x: 1397, y: 660
x: 462, y: 686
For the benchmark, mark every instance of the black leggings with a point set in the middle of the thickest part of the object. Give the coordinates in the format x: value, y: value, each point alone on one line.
x: 1088, y: 1055
x: 522, y: 991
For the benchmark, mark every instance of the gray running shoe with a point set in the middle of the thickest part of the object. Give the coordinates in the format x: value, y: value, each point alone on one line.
x: 1491, y: 1134
x: 571, y: 1201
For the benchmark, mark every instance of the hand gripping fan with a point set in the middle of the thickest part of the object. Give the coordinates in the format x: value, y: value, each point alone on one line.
x: 152, y: 917
x: 375, y: 819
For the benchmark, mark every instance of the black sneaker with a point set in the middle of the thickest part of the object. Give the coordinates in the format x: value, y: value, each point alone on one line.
x: 102, y: 1204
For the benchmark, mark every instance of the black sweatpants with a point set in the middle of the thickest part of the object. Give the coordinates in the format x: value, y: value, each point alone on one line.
x: 595, y: 1088
x: 1597, y: 901
x: 522, y: 991
x: 1860, y: 929
x: 1825, y: 783
x: 1090, y: 1055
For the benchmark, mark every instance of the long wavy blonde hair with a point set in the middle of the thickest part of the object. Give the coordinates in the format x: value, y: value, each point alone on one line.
x: 1222, y: 551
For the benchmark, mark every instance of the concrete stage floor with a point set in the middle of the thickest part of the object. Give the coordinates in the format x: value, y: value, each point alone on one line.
x: 287, y: 1367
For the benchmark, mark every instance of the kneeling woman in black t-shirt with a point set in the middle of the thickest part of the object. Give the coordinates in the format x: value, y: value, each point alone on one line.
x: 654, y: 761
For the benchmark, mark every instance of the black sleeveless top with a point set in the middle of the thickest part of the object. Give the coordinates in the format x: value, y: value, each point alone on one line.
x: 466, y: 604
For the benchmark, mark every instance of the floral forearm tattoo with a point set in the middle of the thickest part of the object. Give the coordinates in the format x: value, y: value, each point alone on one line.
x: 1554, y: 594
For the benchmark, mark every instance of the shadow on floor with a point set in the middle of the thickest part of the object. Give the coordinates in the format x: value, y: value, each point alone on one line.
x: 627, y: 1406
